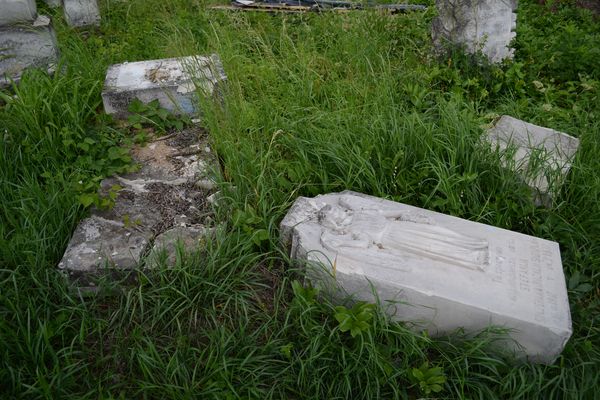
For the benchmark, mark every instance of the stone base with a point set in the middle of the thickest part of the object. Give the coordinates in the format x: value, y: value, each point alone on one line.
x: 164, y: 202
x: 80, y: 13
x: 24, y: 47
x: 173, y: 82
x: 17, y: 11
x: 486, y: 25
x: 541, y: 155
x: 436, y: 272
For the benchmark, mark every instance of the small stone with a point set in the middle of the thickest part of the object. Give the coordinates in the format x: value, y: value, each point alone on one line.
x: 81, y: 13
x: 437, y: 272
x: 538, y: 148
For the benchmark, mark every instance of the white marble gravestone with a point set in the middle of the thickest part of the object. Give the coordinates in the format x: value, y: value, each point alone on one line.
x: 15, y: 11
x: 542, y: 156
x: 442, y: 272
x: 172, y: 81
x: 486, y: 25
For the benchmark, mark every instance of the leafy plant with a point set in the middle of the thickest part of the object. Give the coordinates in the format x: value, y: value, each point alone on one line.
x: 355, y: 320
x: 428, y: 379
x: 153, y: 115
x: 251, y: 224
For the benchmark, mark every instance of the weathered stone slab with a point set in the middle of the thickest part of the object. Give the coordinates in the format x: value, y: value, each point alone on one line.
x: 173, y: 82
x: 486, y: 25
x: 22, y: 47
x: 164, y: 194
x: 441, y: 273
x: 53, y: 3
x: 165, y: 244
x: 16, y: 11
x: 80, y: 13
x: 542, y: 156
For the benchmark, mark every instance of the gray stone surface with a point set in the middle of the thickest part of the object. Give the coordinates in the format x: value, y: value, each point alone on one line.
x: 541, y: 155
x: 186, y: 236
x: 163, y: 194
x: 438, y: 272
x: 53, y: 3
x: 81, y: 13
x: 17, y: 11
x: 486, y: 25
x: 24, y: 47
x: 174, y: 82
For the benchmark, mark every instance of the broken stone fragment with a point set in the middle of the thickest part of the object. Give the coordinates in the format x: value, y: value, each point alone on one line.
x: 53, y: 3
x: 26, y: 46
x: 436, y: 272
x: 486, y: 25
x: 17, y: 11
x: 174, y: 82
x: 167, y: 243
x: 542, y: 156
x: 81, y: 13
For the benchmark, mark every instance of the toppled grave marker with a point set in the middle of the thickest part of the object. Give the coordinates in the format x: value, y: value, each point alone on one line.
x: 173, y: 82
x: 169, y: 191
x: 541, y: 155
x: 81, y: 13
x: 486, y: 25
x: 26, y: 45
x: 300, y: 6
x: 441, y: 273
x: 15, y: 11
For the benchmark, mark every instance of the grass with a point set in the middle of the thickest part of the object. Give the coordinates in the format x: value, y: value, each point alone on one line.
x: 315, y: 103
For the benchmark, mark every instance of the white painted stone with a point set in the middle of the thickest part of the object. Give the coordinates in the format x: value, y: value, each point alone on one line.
x: 16, y: 11
x: 173, y: 81
x: 486, y: 25
x: 23, y: 47
x: 441, y: 273
x: 541, y: 155
x: 80, y: 13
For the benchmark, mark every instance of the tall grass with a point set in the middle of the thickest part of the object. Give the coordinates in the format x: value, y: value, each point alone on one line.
x: 314, y: 103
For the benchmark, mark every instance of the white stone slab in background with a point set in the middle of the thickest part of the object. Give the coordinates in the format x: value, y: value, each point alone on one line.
x: 80, y: 13
x: 486, y: 25
x: 173, y: 81
x: 542, y: 156
x: 15, y: 11
x: 444, y: 272
x: 26, y: 46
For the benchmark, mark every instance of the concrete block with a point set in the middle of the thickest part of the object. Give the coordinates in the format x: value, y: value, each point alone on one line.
x: 23, y: 47
x: 80, y: 13
x: 16, y: 11
x: 435, y: 271
x: 486, y: 25
x: 174, y: 82
x: 541, y: 155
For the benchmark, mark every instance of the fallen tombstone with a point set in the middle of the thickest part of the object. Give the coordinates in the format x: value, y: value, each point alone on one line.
x: 15, y: 11
x: 22, y: 46
x: 81, y: 13
x: 299, y: 6
x: 173, y: 82
x: 437, y: 272
x: 541, y: 155
x: 164, y: 194
x: 486, y: 25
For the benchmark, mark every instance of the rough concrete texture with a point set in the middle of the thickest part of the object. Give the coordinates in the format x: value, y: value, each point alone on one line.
x: 486, y: 25
x: 17, y: 11
x: 164, y: 193
x: 437, y: 272
x: 541, y: 155
x: 183, y: 235
x: 80, y: 13
x: 23, y: 47
x: 174, y: 82
x: 53, y: 3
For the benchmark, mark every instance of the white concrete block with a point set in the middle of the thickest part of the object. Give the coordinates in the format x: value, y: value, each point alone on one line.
x: 174, y: 82
x: 80, y: 13
x: 541, y: 155
x: 441, y: 273
x: 23, y: 47
x: 16, y: 11
x: 486, y: 25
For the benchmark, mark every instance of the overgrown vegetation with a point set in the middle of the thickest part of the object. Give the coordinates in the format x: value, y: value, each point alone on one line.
x: 315, y: 103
